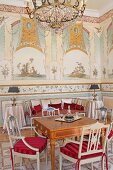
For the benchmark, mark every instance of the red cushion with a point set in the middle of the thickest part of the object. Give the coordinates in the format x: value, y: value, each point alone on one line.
x: 72, y: 106
x: 79, y: 107
x: 38, y: 108
x: 56, y: 106
x: 72, y: 149
x: 36, y: 142
x: 110, y: 134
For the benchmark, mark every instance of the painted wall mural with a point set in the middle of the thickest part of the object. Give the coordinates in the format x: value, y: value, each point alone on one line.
x: 28, y: 55
x: 77, y: 53
x: 83, y: 52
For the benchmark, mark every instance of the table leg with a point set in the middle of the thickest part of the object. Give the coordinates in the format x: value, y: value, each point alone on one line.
x: 52, y: 144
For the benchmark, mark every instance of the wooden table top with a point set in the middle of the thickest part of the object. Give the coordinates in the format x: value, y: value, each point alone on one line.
x: 52, y: 125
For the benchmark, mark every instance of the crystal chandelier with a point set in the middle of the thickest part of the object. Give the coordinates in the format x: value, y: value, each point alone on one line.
x: 55, y: 13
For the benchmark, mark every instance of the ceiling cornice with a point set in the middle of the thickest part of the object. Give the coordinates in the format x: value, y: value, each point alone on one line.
x: 19, y: 3
x: 100, y: 12
x: 106, y: 8
x: 91, y: 13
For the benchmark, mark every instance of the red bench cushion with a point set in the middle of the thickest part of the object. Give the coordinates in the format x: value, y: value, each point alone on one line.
x: 72, y: 106
x: 79, y: 107
x: 56, y: 106
x: 38, y: 108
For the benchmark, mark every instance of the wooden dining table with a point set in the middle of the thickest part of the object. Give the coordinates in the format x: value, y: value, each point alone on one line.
x: 56, y: 130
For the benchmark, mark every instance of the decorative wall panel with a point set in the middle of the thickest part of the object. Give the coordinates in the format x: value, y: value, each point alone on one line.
x: 48, y: 89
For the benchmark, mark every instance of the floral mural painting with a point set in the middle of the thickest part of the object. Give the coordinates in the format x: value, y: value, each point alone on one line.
x: 5, y: 70
x: 95, y: 72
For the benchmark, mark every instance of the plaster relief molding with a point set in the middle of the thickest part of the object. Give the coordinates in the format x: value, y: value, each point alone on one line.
x: 14, y: 9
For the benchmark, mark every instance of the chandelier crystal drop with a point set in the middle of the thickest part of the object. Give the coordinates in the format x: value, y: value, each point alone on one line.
x: 55, y: 13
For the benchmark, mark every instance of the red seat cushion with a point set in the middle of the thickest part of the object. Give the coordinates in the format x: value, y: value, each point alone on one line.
x: 72, y: 149
x: 79, y: 107
x: 33, y: 112
x: 36, y: 142
x: 110, y: 134
x: 56, y: 106
x: 72, y: 106
x: 38, y: 108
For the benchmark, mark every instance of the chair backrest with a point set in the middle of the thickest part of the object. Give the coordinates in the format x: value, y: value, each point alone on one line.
x: 13, y: 129
x: 110, y: 114
x: 93, y: 143
x: 28, y: 106
x: 102, y: 113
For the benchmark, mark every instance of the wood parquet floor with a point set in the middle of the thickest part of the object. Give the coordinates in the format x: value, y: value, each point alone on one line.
x: 4, y: 136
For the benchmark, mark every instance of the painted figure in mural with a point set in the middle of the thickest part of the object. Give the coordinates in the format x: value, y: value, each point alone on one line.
x: 33, y: 71
x: 79, y: 71
x: 27, y: 70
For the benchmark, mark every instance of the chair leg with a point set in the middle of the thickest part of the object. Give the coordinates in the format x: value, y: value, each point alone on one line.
x: 12, y: 160
x: 60, y: 162
x: 91, y: 165
x: 38, y: 162
x: 107, y: 146
x: 112, y: 145
x: 21, y: 162
x: 103, y: 163
x: 46, y: 154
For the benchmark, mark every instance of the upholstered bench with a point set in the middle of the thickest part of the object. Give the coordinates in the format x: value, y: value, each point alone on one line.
x: 38, y: 108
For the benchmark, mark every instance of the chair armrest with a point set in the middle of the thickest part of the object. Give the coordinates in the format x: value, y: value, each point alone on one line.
x: 33, y: 127
x: 17, y: 137
x: 39, y: 134
x: 27, y: 127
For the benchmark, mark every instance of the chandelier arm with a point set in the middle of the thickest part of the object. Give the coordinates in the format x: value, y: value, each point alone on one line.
x: 34, y: 3
x: 49, y: 2
x: 43, y: 2
x: 30, y: 13
x: 76, y: 3
x: 63, y: 2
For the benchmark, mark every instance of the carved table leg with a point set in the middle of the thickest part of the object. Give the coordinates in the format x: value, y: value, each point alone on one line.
x: 52, y: 144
